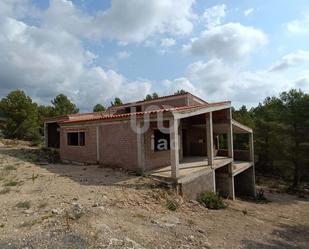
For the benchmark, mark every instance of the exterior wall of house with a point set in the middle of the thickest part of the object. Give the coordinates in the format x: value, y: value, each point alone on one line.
x: 154, y: 159
x: 192, y: 100
x: 84, y: 154
x: 118, y: 146
x: 166, y: 103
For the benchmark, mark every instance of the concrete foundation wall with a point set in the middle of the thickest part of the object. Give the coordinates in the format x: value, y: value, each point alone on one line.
x: 244, y: 183
x: 223, y: 184
x: 193, y: 189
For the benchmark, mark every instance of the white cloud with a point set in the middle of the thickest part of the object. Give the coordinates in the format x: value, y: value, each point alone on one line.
x: 290, y: 60
x: 248, y: 11
x: 17, y: 8
x: 232, y: 42
x: 46, y: 62
x: 299, y: 26
x: 214, y: 15
x: 123, y: 55
x: 126, y: 21
x: 167, y: 42
x: 212, y: 77
x: 215, y: 80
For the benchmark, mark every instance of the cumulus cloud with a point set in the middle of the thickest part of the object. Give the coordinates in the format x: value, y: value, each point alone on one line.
x: 167, y: 42
x: 45, y: 62
x: 212, y: 77
x: 290, y: 60
x: 248, y: 11
x: 126, y: 21
x: 17, y: 8
x: 123, y: 55
x: 214, y: 15
x: 299, y: 26
x: 231, y: 42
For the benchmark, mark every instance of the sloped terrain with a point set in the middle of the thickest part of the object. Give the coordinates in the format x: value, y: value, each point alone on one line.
x: 69, y: 206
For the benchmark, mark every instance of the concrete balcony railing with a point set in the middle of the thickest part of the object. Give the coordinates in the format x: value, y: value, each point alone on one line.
x: 239, y: 155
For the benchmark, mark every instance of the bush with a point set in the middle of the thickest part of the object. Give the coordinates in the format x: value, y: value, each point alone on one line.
x: 172, y: 205
x: 212, y: 200
x: 260, y: 197
x: 23, y: 204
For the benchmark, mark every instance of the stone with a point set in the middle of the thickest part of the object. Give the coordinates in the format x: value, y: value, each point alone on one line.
x: 167, y: 221
x: 56, y: 211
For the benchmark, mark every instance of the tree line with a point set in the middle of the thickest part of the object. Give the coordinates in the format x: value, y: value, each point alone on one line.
x: 280, y: 124
x: 281, y: 135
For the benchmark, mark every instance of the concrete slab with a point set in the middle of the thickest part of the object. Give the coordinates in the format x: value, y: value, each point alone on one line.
x: 240, y: 166
x: 190, y: 167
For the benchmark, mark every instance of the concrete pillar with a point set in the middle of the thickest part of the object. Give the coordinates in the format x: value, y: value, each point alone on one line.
x: 46, y: 134
x: 251, y: 147
x: 210, y: 143
x: 98, y: 143
x: 230, y: 136
x: 180, y: 142
x: 231, y: 184
x: 140, y: 148
x: 174, y: 148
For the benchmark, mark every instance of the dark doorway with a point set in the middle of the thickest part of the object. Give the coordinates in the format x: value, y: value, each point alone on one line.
x: 53, y: 134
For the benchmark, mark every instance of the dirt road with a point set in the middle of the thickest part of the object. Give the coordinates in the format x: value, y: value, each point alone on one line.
x: 68, y: 206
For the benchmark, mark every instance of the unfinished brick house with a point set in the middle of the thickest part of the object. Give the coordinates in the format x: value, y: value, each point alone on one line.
x: 179, y: 139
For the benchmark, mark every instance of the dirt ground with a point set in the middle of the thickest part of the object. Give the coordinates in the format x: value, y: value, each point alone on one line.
x: 69, y: 206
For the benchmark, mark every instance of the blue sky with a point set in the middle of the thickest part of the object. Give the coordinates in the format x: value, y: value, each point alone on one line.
x: 96, y: 50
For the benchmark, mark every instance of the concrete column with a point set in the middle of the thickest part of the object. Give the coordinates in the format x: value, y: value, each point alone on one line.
x: 174, y: 144
x: 251, y: 147
x: 98, y: 143
x: 210, y: 142
x: 231, y: 182
x: 230, y: 136
x: 140, y: 148
x: 46, y: 134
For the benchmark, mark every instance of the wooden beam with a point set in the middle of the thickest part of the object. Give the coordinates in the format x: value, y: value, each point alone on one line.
x: 174, y: 144
x: 210, y: 142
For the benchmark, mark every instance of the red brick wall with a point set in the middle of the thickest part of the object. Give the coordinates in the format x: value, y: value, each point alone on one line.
x: 180, y: 101
x: 87, y: 153
x: 194, y: 101
x: 154, y: 159
x: 118, y: 146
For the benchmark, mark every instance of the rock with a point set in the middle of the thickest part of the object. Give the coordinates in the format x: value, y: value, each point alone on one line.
x: 56, y: 211
x: 28, y: 211
x: 167, y: 221
x: 77, y: 206
x: 132, y: 244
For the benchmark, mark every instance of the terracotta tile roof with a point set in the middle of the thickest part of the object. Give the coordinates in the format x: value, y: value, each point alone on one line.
x: 105, y: 116
x: 156, y: 99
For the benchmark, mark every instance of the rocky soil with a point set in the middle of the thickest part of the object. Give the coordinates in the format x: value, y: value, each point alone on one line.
x: 69, y: 206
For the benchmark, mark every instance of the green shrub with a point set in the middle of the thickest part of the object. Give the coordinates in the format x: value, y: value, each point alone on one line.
x: 212, y: 200
x: 5, y: 191
x: 23, y: 204
x: 11, y: 183
x: 172, y: 205
x: 260, y: 197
